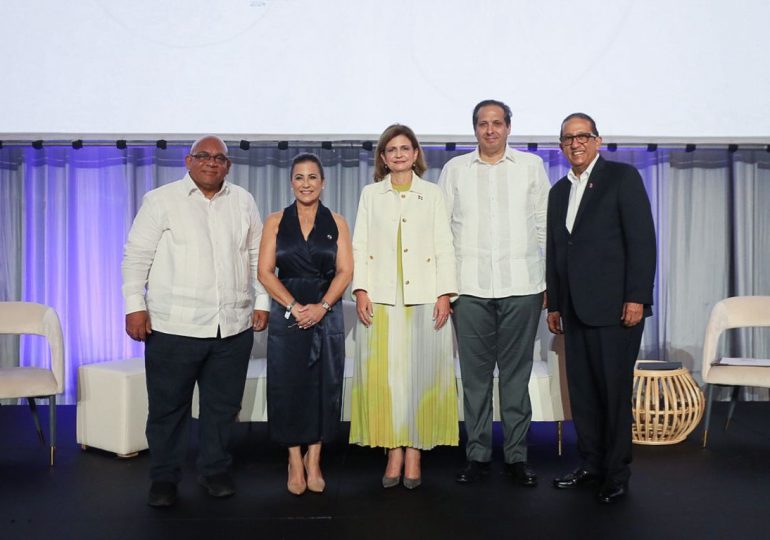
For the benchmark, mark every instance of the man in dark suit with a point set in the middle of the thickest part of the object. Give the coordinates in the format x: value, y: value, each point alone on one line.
x: 600, y: 269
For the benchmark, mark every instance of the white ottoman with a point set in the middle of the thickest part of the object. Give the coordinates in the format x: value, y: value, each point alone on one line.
x: 112, y: 406
x: 254, y: 401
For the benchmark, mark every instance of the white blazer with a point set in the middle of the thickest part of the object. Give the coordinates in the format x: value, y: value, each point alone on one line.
x: 427, y: 251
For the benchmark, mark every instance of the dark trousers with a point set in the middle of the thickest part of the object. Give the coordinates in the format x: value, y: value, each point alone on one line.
x: 600, y: 377
x: 173, y: 365
x: 496, y: 332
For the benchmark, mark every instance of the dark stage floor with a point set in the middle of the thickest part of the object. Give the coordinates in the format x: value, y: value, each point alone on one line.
x: 679, y: 491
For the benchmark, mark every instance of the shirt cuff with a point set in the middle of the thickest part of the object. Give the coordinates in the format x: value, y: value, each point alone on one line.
x: 135, y: 303
x: 262, y: 303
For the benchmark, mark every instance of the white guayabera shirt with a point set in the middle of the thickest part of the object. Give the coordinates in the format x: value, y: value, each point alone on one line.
x: 498, y: 213
x: 197, y: 260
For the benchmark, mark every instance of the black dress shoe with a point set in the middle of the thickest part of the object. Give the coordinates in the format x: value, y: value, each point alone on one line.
x: 578, y: 477
x: 612, y: 492
x: 218, y: 485
x: 473, y: 471
x: 162, y: 494
x: 521, y: 473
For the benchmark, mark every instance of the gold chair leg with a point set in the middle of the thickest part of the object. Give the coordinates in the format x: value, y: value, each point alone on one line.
x: 559, y: 435
x: 52, y: 425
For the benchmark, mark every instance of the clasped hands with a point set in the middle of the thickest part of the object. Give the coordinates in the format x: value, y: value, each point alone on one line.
x: 307, y: 315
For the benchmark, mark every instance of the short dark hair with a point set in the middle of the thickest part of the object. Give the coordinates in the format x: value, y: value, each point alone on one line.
x: 304, y: 157
x: 487, y: 102
x: 390, y: 133
x: 582, y: 116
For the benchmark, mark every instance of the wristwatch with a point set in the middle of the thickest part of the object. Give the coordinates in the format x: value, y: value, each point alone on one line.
x: 325, y: 305
x: 288, y: 309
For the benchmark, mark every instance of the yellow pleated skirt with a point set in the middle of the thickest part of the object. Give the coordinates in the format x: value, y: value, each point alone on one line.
x: 404, y: 387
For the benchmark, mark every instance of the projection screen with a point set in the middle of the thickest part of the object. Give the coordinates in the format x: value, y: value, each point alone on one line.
x: 684, y: 70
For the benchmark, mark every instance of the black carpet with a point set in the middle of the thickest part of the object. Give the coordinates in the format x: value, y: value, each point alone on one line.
x: 679, y: 491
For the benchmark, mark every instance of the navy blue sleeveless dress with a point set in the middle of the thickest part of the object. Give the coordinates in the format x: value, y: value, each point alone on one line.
x: 305, y: 367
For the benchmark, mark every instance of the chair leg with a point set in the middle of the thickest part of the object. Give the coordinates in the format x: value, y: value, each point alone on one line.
x: 52, y: 425
x: 559, y: 432
x: 33, y: 408
x: 733, y: 399
x: 707, y: 418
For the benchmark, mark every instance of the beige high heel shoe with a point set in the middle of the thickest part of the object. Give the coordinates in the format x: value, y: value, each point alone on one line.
x: 295, y: 488
x: 316, y: 485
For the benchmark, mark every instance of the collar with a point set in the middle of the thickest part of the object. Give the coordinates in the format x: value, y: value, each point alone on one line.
x: 386, y: 186
x: 510, y: 155
x: 583, y: 178
x: 188, y: 184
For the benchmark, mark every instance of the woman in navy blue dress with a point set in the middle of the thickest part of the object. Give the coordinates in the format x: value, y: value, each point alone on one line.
x: 309, y: 246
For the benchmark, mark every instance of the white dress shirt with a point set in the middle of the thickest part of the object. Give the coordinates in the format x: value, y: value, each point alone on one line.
x: 498, y: 213
x: 576, y: 191
x: 197, y: 260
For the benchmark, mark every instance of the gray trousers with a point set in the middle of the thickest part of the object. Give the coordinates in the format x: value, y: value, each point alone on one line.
x: 496, y: 331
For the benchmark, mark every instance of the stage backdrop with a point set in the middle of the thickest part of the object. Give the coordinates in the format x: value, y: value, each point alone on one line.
x: 284, y: 69
x: 65, y: 215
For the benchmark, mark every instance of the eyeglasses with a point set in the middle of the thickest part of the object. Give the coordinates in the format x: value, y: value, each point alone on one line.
x: 221, y: 159
x: 582, y: 138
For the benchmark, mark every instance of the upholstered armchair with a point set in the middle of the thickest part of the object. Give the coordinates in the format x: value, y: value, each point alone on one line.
x: 736, y: 312
x: 33, y: 382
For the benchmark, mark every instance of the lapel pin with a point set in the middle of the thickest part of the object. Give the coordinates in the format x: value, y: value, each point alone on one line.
x: 329, y: 236
x: 590, y: 185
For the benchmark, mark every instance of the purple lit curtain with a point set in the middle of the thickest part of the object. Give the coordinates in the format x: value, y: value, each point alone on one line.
x: 65, y: 214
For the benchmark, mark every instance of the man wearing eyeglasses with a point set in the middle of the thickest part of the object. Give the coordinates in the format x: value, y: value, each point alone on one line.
x: 600, y: 269
x: 496, y: 198
x: 192, y: 295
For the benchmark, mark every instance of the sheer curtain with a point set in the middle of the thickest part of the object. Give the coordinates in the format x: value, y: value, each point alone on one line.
x: 65, y: 214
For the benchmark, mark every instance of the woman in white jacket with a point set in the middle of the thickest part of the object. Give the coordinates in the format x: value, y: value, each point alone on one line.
x: 404, y: 396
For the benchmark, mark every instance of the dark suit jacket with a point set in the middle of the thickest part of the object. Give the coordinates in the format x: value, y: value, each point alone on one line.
x: 609, y: 258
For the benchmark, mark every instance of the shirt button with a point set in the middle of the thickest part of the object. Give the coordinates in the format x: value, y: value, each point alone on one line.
x: 406, y: 249
x: 406, y: 282
x: 569, y: 242
x: 403, y: 196
x: 371, y: 257
x: 428, y: 260
x: 403, y: 220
